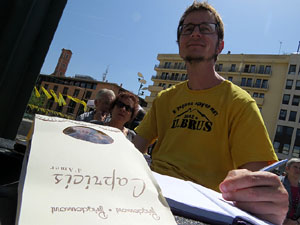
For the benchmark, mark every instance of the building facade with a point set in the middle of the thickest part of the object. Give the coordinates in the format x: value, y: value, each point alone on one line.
x: 272, y: 80
x: 79, y: 88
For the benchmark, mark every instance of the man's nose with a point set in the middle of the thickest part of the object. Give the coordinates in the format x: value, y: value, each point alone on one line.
x: 196, y: 32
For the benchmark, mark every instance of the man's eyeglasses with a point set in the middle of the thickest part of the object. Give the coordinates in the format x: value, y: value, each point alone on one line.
x: 204, y: 28
x: 121, y: 105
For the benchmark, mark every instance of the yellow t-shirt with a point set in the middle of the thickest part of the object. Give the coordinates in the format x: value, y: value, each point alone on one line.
x: 203, y: 134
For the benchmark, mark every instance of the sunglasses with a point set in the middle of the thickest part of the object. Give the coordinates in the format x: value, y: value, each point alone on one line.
x: 121, y: 105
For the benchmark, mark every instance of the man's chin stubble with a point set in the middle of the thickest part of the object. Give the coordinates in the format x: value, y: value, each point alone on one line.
x: 191, y: 59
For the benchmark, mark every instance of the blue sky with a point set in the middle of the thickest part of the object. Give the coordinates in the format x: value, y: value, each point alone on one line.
x: 128, y: 35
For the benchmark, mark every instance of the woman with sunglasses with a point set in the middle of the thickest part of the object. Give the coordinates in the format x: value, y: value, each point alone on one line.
x: 124, y: 110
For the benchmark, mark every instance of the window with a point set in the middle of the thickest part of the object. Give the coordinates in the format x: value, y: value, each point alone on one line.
x: 89, y: 85
x: 243, y: 83
x: 49, y: 103
x: 67, y: 56
x: 173, y: 75
x: 88, y: 94
x: 283, y: 139
x: 289, y: 84
x: 298, y: 85
x: 232, y: 68
x: 289, y: 131
x: 268, y: 70
x: 219, y: 67
x: 296, y: 100
x: 55, y: 88
x: 65, y: 90
x: 246, y: 69
x: 176, y: 76
x: 261, y: 95
x: 296, y: 151
x: 249, y: 82
x: 59, y: 108
x: 180, y: 65
x: 230, y: 78
x: 183, y: 76
x: 292, y: 69
x: 63, y: 65
x: 286, y: 99
x: 255, y: 95
x: 261, y: 69
x: 71, y: 107
x: 292, y: 116
x: 257, y: 83
x: 286, y: 149
x: 76, y: 92
x: 83, y: 84
x: 167, y: 76
x: 264, y: 84
x: 279, y: 129
x: 167, y: 64
x: 276, y: 144
x: 282, y: 114
x: 46, y: 86
x: 252, y: 69
x: 175, y: 65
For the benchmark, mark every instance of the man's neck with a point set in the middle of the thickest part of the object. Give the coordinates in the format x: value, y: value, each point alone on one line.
x: 116, y: 124
x: 202, y: 75
x: 293, y: 181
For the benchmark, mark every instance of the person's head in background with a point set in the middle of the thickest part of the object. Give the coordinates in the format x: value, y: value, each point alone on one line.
x: 292, y: 170
x: 123, y: 110
x: 103, y: 101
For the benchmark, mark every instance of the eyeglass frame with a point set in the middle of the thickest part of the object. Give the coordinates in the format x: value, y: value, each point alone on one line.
x: 180, y: 28
x: 121, y: 105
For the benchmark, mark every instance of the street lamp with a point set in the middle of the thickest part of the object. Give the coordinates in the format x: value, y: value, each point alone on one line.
x: 142, y: 82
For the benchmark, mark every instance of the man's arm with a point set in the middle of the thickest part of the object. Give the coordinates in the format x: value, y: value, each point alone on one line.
x: 141, y: 143
x: 260, y: 193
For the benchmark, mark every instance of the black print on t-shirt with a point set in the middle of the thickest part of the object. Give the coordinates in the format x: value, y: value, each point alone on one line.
x: 190, y: 117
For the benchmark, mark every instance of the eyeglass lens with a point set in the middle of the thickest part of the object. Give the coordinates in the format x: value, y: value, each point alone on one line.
x: 204, y: 28
x: 121, y: 105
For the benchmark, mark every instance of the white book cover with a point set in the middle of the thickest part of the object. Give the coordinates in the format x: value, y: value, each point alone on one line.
x: 82, y: 173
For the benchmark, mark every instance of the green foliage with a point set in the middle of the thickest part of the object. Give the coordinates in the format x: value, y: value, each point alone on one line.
x: 37, y: 101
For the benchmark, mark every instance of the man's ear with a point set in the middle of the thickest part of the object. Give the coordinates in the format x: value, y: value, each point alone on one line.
x: 220, y: 46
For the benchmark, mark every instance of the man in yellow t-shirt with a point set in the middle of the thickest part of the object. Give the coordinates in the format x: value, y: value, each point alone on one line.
x: 201, y: 137
x: 207, y: 128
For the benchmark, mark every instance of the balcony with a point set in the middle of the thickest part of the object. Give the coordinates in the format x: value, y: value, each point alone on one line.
x: 153, y: 88
x: 255, y: 72
x: 168, y: 77
x: 259, y: 101
x: 149, y: 99
x: 182, y: 67
x: 264, y: 87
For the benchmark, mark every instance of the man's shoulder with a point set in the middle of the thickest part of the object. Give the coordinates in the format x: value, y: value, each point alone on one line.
x: 237, y: 93
x: 87, y: 116
x: 172, y: 90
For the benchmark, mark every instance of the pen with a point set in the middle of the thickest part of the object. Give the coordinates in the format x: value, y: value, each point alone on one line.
x: 274, y: 165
